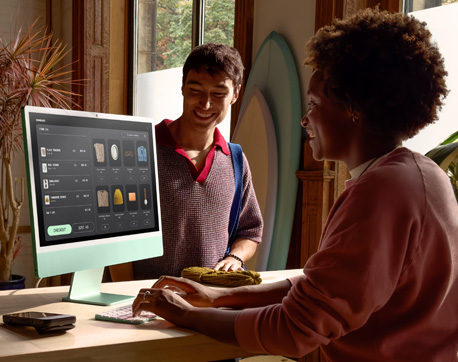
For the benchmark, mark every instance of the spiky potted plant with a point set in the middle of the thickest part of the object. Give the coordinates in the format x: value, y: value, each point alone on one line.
x: 446, y: 156
x: 30, y: 74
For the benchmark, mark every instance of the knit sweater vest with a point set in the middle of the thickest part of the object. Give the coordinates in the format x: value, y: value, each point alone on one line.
x: 195, y: 215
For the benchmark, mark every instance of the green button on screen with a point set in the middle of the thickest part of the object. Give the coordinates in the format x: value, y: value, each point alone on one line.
x: 59, y: 230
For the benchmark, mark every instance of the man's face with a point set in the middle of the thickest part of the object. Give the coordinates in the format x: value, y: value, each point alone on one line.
x: 207, y: 98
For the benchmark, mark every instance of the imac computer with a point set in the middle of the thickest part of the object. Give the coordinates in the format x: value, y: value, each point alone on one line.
x: 93, y: 192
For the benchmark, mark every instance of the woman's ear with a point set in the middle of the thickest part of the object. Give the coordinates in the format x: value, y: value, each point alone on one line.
x: 355, y: 116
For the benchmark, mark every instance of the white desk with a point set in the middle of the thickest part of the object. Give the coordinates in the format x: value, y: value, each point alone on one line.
x: 93, y: 340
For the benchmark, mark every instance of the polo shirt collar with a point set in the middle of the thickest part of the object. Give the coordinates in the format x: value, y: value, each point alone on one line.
x: 164, y: 137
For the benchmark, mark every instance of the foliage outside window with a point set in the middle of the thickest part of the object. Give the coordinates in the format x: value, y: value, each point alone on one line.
x: 219, y: 22
x: 174, y: 31
x: 165, y: 30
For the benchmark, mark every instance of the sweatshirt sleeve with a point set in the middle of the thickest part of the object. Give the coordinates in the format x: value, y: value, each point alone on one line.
x: 276, y: 329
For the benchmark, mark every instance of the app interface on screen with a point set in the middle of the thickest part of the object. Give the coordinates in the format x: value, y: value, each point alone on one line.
x: 93, y: 178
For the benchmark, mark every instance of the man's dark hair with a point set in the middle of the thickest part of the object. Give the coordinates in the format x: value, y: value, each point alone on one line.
x: 214, y: 58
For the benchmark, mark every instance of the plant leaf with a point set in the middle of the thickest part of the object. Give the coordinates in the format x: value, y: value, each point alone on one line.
x: 451, y: 138
x: 444, y: 154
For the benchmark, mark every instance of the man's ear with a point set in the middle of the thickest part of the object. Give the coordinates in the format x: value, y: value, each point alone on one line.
x: 236, y: 94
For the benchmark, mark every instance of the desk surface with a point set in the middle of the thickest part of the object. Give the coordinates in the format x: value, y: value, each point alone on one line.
x: 95, y: 340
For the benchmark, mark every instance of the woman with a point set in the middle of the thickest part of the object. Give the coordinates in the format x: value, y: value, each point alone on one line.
x: 383, y: 285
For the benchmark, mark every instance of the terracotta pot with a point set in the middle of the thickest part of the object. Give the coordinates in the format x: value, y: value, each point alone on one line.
x: 16, y: 282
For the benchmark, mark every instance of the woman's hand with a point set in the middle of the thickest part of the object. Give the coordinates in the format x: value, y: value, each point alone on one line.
x: 165, y: 303
x: 214, y: 322
x: 194, y: 293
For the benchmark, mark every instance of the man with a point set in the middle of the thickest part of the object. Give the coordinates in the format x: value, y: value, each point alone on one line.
x: 196, y: 175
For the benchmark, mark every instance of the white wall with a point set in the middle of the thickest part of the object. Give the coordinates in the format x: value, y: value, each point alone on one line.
x: 295, y: 21
x: 442, y: 22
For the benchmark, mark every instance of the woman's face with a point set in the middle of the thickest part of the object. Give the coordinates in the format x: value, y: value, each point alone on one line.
x: 328, y: 123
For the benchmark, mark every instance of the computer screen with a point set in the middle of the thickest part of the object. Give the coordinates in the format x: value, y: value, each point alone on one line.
x: 93, y: 193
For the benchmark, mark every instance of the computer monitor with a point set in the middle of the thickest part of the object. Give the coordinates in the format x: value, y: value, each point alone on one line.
x: 93, y: 192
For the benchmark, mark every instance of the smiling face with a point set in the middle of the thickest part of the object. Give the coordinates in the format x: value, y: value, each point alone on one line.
x: 207, y: 98
x: 328, y: 123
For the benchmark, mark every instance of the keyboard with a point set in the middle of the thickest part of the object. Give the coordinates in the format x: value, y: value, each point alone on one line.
x: 123, y: 314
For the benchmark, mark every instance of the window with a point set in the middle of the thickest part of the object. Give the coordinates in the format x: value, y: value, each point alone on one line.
x: 167, y: 31
x: 415, y: 5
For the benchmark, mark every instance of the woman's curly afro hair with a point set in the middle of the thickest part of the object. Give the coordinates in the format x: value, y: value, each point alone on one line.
x: 383, y: 66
